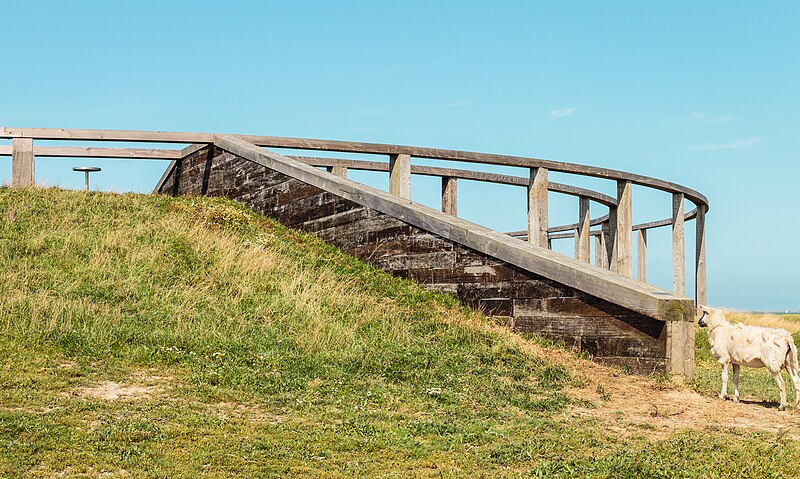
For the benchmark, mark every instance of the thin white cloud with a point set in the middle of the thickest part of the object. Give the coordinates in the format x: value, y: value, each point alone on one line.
x: 730, y: 145
x: 375, y: 112
x: 561, y: 113
x: 720, y: 119
x: 703, y: 118
x: 455, y: 104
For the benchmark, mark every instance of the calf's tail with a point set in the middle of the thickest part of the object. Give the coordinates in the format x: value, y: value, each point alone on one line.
x: 791, y: 356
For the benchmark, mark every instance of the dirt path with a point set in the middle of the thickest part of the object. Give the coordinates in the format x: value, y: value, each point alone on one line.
x: 626, y: 402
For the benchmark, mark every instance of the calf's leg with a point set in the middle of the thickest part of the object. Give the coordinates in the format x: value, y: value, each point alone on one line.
x: 724, y: 391
x: 791, y: 368
x: 736, y: 368
x: 782, y: 387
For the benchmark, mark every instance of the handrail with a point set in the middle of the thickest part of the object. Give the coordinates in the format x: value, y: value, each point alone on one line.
x: 460, y: 174
x: 613, y: 241
x: 354, y: 147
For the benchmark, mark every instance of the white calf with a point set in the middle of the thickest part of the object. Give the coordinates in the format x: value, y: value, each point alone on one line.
x: 750, y: 346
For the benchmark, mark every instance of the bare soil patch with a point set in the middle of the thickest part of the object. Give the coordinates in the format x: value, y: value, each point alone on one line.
x: 141, y: 386
x: 624, y: 402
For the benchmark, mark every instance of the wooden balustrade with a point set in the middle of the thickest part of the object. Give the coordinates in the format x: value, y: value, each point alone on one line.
x: 400, y: 175
x: 583, y: 232
x: 537, y: 207
x: 22, y: 163
x: 678, y: 249
x: 641, y: 255
x: 700, y: 255
x: 450, y: 195
x: 612, y: 244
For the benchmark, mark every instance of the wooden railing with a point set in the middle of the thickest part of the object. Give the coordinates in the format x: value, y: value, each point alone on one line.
x: 613, y: 234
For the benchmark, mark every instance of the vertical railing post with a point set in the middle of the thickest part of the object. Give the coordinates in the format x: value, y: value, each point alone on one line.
x: 609, y: 236
x: 400, y: 175
x: 678, y: 249
x: 449, y: 195
x: 22, y: 162
x: 621, y: 222
x: 582, y: 234
x: 537, y: 207
x: 641, y: 255
x: 600, y: 250
x: 700, y: 256
x: 337, y: 170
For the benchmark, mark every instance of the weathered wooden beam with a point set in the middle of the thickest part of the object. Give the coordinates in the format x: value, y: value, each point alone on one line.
x: 400, y: 175
x: 537, y: 207
x: 678, y: 248
x: 700, y: 257
x: 91, y: 152
x: 337, y: 170
x: 107, y: 135
x: 583, y: 232
x: 635, y: 296
x: 450, y: 195
x: 641, y: 255
x: 680, y: 348
x: 463, y: 175
x: 22, y: 162
x: 621, y: 257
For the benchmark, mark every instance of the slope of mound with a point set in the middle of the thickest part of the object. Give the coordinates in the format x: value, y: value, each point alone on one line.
x: 143, y: 336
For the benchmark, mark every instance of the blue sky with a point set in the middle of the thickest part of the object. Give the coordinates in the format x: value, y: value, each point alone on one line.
x: 703, y: 94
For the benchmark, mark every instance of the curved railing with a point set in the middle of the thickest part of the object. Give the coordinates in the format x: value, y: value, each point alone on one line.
x: 613, y: 235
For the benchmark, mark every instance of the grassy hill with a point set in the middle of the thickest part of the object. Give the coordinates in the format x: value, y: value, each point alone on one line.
x: 144, y: 336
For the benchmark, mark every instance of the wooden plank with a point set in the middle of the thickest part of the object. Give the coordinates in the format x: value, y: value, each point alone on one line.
x: 641, y: 255
x: 347, y: 146
x: 582, y: 234
x: 678, y: 248
x: 665, y: 222
x: 22, y: 163
x: 636, y: 296
x: 622, y: 252
x: 450, y: 195
x: 93, y: 152
x: 537, y: 208
x: 107, y: 135
x: 459, y: 174
x: 700, y: 257
x: 400, y: 175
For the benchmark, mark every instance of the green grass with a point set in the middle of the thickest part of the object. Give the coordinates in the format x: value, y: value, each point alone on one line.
x: 262, y: 352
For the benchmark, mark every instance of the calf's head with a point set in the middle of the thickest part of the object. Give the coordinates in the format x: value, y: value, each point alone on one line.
x: 703, y: 310
x: 710, y: 317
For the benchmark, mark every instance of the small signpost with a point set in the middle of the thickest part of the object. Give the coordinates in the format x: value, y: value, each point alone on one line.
x: 86, y: 170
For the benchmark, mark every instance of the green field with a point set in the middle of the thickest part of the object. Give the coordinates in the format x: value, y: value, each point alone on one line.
x: 144, y: 336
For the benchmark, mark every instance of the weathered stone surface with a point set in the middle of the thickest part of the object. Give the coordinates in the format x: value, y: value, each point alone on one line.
x: 522, y: 299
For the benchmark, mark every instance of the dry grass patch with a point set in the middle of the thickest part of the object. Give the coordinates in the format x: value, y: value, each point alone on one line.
x: 789, y: 322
